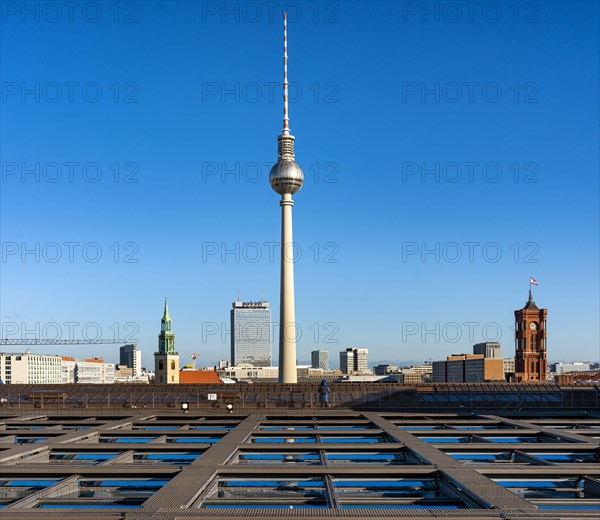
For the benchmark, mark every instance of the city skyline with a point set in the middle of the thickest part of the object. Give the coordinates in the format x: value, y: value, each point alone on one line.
x: 408, y: 259
x: 224, y: 330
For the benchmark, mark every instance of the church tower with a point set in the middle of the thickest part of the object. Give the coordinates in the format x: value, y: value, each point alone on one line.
x: 166, y: 360
x: 531, y: 364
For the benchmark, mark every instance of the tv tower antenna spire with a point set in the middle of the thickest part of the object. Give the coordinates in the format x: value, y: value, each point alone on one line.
x: 286, y: 119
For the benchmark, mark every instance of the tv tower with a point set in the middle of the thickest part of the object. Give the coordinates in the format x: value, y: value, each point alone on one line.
x: 286, y: 178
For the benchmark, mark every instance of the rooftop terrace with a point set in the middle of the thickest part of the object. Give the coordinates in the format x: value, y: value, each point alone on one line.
x: 164, y: 463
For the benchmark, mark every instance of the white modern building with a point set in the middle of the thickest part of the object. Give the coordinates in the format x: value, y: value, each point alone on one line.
x: 67, y: 370
x: 509, y: 367
x: 251, y: 333
x: 94, y: 371
x: 247, y: 372
x: 30, y: 369
x: 353, y: 360
x: 48, y: 369
x: 577, y: 366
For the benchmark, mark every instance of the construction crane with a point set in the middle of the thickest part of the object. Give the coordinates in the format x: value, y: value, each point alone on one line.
x: 6, y: 341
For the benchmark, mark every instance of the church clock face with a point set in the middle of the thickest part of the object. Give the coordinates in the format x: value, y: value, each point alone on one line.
x: 533, y: 326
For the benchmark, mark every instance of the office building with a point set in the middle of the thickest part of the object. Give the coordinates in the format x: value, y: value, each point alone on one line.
x: 67, y: 370
x: 384, y: 369
x: 28, y: 368
x: 563, y: 368
x: 509, y: 368
x: 251, y: 334
x: 490, y: 349
x: 346, y: 361
x: 354, y: 360
x: 247, y: 372
x: 94, y: 371
x: 417, y: 374
x: 123, y: 374
x: 468, y: 368
x: 131, y: 357
x: 320, y: 359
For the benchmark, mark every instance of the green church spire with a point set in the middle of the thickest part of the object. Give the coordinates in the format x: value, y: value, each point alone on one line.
x: 166, y: 338
x: 166, y: 319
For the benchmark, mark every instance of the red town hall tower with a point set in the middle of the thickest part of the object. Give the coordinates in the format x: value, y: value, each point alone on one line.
x: 531, y: 364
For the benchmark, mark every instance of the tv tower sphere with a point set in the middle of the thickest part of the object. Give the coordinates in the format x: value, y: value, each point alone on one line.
x: 286, y: 176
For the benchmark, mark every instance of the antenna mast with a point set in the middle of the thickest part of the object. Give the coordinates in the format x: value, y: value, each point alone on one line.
x: 286, y: 121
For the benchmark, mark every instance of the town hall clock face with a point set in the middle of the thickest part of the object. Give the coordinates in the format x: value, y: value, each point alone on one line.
x: 533, y: 326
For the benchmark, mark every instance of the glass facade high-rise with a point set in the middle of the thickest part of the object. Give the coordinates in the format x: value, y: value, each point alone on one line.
x: 130, y: 356
x: 251, y: 333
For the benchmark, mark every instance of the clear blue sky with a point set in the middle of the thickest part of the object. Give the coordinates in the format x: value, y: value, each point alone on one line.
x: 381, y: 93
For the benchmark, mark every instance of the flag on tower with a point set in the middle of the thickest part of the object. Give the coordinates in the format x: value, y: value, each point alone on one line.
x: 532, y: 281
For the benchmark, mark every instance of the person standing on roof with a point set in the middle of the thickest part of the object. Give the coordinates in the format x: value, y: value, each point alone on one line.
x: 324, y: 392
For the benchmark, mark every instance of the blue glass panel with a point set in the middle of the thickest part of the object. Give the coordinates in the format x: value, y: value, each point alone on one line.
x: 272, y: 483
x: 564, y: 457
x: 127, y: 439
x: 278, y: 456
x: 538, y: 484
x: 479, y: 457
x: 511, y: 439
x: 210, y: 428
x: 128, y: 483
x: 343, y: 428
x: 444, y: 440
x: 197, y: 440
x: 169, y: 457
x: 94, y: 456
x: 300, y: 440
x: 364, y: 457
x: 383, y: 484
x: 352, y: 440
x: 420, y: 428
x: 29, y: 483
x: 29, y: 440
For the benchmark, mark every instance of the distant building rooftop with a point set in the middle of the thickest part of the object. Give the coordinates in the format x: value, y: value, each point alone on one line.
x: 189, y: 377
